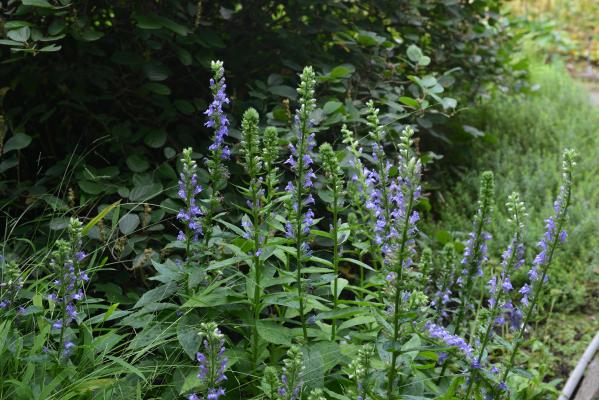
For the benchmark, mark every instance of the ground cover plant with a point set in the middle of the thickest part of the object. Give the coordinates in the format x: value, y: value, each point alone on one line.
x: 307, y: 277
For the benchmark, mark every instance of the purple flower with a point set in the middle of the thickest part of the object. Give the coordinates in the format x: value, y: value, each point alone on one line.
x: 212, y: 361
x: 216, y: 116
x: 438, y: 332
x: 188, y: 190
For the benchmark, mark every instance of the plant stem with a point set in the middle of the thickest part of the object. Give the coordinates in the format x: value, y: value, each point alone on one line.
x: 335, y: 257
x: 298, y: 222
x: 398, y: 280
x: 257, y: 268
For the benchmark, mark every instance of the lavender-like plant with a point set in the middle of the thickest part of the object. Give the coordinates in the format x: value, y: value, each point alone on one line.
x: 444, y: 278
x: 554, y: 235
x: 357, y: 190
x: 68, y: 285
x: 361, y: 369
x: 475, y: 253
x: 213, y: 362
x: 335, y: 182
x: 292, y: 379
x: 500, y: 286
x: 253, y: 163
x: 219, y: 151
x: 300, y: 161
x: 188, y: 191
x: 405, y: 191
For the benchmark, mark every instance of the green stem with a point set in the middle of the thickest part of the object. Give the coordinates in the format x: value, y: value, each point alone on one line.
x: 335, y: 258
x: 257, y: 282
x: 469, y: 282
x: 298, y: 225
x: 492, y: 316
x: 398, y: 279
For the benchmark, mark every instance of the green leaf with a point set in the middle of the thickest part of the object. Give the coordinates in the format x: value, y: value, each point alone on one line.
x: 155, y: 138
x: 283, y: 91
x: 409, y: 101
x: 17, y: 141
x: 341, y: 284
x: 143, y: 193
x: 91, y: 35
x: 19, y: 35
x: 157, y: 294
x: 448, y: 102
x: 274, y: 333
x: 152, y: 334
x: 147, y: 21
x: 184, y: 56
x: 50, y: 48
x: 157, y: 88
x: 128, y: 223
x: 37, y: 3
x: 341, y: 71
x: 187, y: 334
x: 414, y: 53
x: 313, y: 367
x: 91, y: 187
x: 173, y: 26
x: 155, y: 71
x: 332, y: 106
x: 137, y: 163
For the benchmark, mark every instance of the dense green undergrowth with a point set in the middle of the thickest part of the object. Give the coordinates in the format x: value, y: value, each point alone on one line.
x: 313, y: 282
x: 522, y: 136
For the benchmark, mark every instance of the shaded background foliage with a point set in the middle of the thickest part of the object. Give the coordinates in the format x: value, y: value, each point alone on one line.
x: 99, y: 97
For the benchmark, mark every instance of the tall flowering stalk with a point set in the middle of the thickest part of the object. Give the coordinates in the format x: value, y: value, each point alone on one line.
x: 252, y: 161
x: 301, y: 217
x: 405, y: 192
x: 68, y: 285
x: 378, y: 180
x: 270, y: 157
x: 361, y: 369
x: 538, y: 274
x: 292, y: 378
x: 444, y: 278
x: 213, y: 362
x: 357, y: 191
x: 500, y: 285
x: 475, y: 253
x: 335, y: 182
x: 190, y: 215
x: 219, y: 151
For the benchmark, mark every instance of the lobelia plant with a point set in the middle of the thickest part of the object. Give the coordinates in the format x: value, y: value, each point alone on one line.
x: 300, y: 216
x: 411, y: 324
x: 255, y: 222
x: 357, y: 192
x: 500, y: 288
x: 191, y: 214
x: 335, y: 183
x: 219, y: 151
x: 68, y: 285
x: 555, y: 234
x: 213, y: 362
